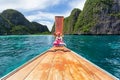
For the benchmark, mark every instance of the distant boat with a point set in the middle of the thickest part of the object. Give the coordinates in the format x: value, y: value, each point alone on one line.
x: 59, y: 63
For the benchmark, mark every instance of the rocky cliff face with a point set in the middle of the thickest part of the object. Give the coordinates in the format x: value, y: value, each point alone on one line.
x: 4, y: 26
x: 70, y: 21
x: 108, y: 19
x: 97, y: 17
x: 15, y: 23
x: 15, y: 17
x: 39, y: 27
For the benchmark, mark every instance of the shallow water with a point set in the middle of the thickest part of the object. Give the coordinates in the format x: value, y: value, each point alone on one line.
x: 104, y: 51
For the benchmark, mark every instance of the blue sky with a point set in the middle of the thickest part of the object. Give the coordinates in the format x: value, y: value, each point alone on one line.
x: 42, y: 11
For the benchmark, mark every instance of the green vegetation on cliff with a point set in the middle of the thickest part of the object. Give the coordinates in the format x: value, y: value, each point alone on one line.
x: 19, y: 30
x: 5, y: 25
x: 90, y: 14
x: 70, y: 21
x: 14, y: 22
x: 97, y: 17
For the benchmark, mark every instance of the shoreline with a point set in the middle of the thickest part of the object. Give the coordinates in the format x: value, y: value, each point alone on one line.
x: 66, y: 34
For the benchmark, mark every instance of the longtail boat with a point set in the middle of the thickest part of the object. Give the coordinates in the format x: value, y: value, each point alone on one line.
x: 59, y: 63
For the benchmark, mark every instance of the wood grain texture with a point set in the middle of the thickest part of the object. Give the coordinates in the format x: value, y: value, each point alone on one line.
x: 59, y: 63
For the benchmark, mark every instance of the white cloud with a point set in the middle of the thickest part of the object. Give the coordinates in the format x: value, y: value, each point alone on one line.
x: 45, y: 18
x: 27, y: 4
x: 77, y: 4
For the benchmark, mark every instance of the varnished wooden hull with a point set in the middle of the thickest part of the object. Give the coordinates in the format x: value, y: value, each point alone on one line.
x: 59, y: 63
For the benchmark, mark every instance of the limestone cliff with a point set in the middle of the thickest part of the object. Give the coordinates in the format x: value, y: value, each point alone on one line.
x: 14, y: 22
x: 70, y: 21
x: 5, y: 25
x: 99, y: 17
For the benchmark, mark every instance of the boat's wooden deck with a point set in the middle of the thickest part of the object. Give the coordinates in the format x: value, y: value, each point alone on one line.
x: 58, y: 63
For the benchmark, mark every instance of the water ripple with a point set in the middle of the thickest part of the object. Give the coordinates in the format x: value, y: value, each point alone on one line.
x: 104, y: 51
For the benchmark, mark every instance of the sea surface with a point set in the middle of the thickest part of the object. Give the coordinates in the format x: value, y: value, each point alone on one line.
x: 103, y: 51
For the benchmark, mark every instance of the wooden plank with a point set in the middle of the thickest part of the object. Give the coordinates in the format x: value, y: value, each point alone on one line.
x: 59, y: 63
x: 42, y: 69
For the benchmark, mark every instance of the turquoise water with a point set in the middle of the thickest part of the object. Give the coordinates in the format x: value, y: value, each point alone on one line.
x: 104, y: 51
